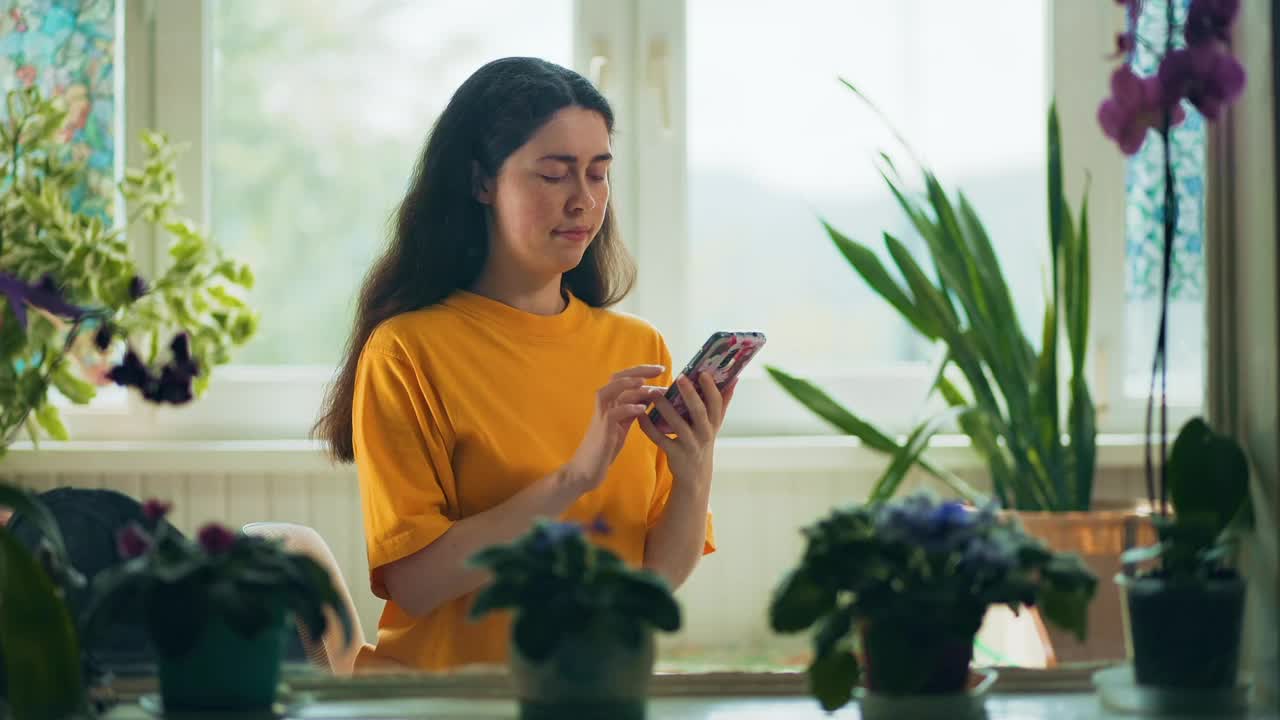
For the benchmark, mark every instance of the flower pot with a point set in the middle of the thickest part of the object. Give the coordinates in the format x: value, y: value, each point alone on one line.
x: 590, y: 675
x: 1099, y: 537
x: 918, y: 655
x: 225, y: 670
x: 1185, y: 635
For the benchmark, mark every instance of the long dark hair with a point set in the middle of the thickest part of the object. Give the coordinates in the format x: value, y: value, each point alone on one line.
x: 440, y: 241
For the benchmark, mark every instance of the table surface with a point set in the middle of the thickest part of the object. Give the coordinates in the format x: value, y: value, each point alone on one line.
x: 1058, y: 706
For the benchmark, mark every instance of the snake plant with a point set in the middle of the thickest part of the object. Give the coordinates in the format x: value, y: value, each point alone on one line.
x: 1036, y: 433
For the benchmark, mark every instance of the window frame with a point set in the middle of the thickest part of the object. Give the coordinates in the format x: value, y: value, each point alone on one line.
x: 636, y: 48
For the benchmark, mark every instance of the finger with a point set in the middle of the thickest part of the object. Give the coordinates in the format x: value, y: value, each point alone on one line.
x: 644, y: 395
x: 608, y: 395
x: 711, y: 396
x: 653, y: 433
x: 728, y: 394
x: 697, y: 409
x: 640, y: 371
x: 624, y: 414
x: 677, y: 424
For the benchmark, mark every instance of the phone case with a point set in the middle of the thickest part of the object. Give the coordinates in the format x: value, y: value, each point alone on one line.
x: 724, y: 355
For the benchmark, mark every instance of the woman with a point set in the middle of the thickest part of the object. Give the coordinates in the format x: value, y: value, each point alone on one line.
x: 486, y: 384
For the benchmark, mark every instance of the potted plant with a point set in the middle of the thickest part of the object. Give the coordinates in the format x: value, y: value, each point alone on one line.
x: 1208, y: 487
x: 75, y: 310
x: 582, y: 642
x: 896, y: 590
x: 216, y: 608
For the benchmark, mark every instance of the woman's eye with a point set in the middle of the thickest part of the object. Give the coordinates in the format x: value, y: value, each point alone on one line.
x: 552, y: 178
x: 597, y: 178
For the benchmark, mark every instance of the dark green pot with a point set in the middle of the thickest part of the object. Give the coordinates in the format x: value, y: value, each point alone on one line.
x: 590, y: 676
x: 912, y: 655
x: 1185, y: 635
x: 225, y: 670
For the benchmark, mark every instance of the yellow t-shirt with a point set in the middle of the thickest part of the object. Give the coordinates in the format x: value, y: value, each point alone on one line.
x: 463, y: 404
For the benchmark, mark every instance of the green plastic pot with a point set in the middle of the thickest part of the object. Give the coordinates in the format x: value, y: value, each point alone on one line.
x: 225, y: 670
x: 1187, y: 634
x: 590, y: 676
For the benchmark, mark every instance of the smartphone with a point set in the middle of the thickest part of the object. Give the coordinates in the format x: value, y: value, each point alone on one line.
x: 724, y: 354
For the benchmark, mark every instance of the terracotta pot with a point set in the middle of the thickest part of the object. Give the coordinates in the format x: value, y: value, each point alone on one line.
x: 1098, y: 536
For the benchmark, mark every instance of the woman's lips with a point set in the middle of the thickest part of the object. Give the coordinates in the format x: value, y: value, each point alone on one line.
x: 574, y: 235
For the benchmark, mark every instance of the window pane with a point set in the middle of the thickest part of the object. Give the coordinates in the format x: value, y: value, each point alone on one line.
x: 775, y: 142
x: 319, y: 112
x: 1144, y: 242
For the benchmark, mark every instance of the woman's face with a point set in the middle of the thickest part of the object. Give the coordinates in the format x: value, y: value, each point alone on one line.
x: 549, y: 198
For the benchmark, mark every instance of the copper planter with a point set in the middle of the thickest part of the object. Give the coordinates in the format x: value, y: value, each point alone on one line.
x: 1098, y: 536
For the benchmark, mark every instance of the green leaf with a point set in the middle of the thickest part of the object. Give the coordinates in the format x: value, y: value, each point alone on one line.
x: 498, y: 595
x: 1045, y: 407
x: 868, y: 266
x: 1208, y: 474
x: 1083, y: 439
x: 37, y: 636
x: 910, y: 452
x: 799, y: 601
x: 828, y: 409
x: 645, y: 596
x: 72, y: 387
x: 25, y: 503
x: 832, y: 678
x: 49, y: 418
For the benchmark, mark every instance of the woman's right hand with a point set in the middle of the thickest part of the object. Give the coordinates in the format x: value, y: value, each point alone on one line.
x: 617, y: 406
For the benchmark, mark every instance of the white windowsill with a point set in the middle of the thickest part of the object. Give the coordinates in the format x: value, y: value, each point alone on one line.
x: 734, y: 455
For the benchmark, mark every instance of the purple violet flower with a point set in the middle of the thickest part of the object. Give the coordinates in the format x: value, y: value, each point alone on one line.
x: 155, y: 509
x: 216, y: 539
x: 132, y: 541
x: 138, y: 287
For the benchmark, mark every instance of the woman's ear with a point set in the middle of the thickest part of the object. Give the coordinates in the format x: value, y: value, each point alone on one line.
x: 481, y: 186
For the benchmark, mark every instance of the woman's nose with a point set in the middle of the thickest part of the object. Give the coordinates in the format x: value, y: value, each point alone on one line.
x: 582, y: 198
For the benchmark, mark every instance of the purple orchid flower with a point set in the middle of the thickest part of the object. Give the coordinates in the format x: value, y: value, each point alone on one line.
x: 1136, y: 105
x: 1210, y: 20
x: 43, y: 294
x: 1207, y: 76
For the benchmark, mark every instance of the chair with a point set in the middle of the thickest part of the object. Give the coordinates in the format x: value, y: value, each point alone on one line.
x: 330, y: 653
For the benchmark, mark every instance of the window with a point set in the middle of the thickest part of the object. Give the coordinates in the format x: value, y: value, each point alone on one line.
x: 305, y: 124
x: 317, y: 115
x: 1144, y: 240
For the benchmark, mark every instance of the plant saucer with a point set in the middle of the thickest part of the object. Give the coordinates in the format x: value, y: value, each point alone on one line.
x: 1118, y: 691
x: 153, y: 705
x: 967, y: 705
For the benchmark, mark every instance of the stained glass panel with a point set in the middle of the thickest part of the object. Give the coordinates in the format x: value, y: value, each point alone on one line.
x: 68, y: 48
x: 1144, y: 224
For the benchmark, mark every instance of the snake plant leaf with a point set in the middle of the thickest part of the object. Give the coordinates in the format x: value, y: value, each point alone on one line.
x: 868, y: 266
x: 910, y: 452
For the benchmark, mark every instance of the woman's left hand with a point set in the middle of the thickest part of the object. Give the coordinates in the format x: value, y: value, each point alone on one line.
x: 689, y: 453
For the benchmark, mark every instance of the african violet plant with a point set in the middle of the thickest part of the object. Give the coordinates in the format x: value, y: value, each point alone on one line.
x: 176, y: 585
x: 75, y: 310
x: 560, y: 584
x: 902, y: 586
